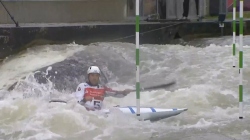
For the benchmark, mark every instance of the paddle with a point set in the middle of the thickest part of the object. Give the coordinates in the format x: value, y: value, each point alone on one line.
x: 142, y: 89
x: 57, y: 101
x: 157, y: 87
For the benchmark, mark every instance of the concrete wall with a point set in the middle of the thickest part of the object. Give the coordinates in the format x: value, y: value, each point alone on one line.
x: 14, y: 40
x: 63, y: 11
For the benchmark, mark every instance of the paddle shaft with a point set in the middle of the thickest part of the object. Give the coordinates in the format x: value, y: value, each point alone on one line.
x: 143, y: 89
x: 57, y: 101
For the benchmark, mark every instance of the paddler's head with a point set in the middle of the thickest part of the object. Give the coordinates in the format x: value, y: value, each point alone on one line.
x: 93, y: 75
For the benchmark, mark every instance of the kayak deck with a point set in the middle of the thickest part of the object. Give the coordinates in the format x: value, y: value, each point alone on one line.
x: 150, y: 113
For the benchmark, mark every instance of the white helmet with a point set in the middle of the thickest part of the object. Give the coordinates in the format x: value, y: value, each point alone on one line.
x: 93, y: 69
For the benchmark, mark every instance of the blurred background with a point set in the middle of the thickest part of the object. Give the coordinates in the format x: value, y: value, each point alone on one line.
x: 72, y: 11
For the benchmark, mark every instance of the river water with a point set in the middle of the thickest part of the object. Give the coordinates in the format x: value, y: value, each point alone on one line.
x: 207, y: 85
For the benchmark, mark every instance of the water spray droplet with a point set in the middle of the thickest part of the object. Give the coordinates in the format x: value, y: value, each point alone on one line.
x: 48, y: 69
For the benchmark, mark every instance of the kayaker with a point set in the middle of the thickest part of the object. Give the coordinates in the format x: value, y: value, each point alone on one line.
x: 91, y: 94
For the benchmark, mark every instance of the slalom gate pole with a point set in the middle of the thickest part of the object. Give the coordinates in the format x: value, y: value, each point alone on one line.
x: 137, y: 32
x: 234, y: 32
x: 241, y: 62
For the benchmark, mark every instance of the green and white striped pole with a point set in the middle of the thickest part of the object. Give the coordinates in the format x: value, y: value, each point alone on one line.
x: 241, y: 62
x: 137, y: 16
x: 234, y: 32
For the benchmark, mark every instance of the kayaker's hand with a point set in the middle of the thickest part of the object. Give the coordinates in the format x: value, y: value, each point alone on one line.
x: 126, y: 91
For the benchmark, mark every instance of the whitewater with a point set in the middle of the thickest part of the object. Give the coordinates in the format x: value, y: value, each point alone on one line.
x: 207, y: 85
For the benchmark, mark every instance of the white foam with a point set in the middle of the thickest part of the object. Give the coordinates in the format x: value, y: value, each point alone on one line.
x: 202, y: 123
x: 245, y: 132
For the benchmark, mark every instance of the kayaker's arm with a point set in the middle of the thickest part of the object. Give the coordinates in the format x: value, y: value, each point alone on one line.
x: 80, y: 92
x: 116, y: 93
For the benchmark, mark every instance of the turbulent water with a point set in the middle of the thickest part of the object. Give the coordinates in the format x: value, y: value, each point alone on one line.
x: 207, y: 85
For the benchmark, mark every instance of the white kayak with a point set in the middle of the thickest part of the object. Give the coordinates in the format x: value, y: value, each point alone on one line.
x: 146, y: 113
x: 149, y: 113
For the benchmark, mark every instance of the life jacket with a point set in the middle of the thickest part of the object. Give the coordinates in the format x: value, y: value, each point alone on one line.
x: 92, y: 96
x: 94, y: 93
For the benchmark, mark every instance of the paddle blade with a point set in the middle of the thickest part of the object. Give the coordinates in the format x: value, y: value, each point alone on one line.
x: 162, y: 86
